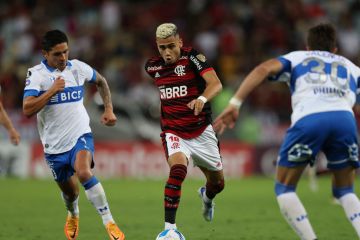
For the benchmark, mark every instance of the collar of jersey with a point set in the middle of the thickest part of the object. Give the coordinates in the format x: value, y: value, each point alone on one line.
x: 51, y: 69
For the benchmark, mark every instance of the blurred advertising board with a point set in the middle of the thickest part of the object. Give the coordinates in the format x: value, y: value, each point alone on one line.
x: 143, y: 160
x: 147, y: 160
x: 15, y: 161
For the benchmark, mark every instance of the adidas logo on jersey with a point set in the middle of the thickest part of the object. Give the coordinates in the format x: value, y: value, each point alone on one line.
x: 157, y: 75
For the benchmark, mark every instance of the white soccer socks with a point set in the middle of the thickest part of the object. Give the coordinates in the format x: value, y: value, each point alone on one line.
x: 96, y: 195
x: 295, y: 214
x: 72, y: 207
x: 351, y: 205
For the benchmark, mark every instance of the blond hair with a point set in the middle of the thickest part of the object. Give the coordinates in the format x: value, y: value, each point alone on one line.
x: 166, y: 30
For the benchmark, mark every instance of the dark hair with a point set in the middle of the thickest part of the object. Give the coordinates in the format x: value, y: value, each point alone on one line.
x: 52, y: 38
x: 322, y: 37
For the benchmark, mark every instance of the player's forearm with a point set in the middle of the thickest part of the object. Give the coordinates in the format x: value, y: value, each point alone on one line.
x: 104, y: 92
x: 257, y: 76
x: 213, y: 86
x: 33, y: 105
x: 5, y: 120
x: 254, y: 79
x: 212, y: 90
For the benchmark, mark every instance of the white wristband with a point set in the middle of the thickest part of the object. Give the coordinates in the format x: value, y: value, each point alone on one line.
x: 235, y: 102
x: 202, y: 98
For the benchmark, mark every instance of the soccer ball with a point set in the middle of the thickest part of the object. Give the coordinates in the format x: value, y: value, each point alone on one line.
x: 170, y: 234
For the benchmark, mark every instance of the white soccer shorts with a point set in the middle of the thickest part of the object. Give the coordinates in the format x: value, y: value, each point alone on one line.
x: 203, y: 150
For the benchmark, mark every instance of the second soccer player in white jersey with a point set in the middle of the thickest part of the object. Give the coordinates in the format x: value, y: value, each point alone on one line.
x: 54, y: 90
x: 323, y: 89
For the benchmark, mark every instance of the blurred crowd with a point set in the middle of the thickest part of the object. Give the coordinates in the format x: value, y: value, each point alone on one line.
x: 116, y: 38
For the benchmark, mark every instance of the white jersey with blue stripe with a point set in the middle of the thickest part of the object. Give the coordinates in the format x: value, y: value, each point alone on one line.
x: 319, y: 81
x: 64, y: 118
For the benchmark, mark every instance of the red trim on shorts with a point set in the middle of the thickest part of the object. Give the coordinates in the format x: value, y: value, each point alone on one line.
x: 164, y: 144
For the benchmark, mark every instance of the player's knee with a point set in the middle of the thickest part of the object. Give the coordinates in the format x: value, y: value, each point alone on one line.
x: 216, y: 187
x: 282, y: 188
x: 338, y: 192
x: 83, y: 175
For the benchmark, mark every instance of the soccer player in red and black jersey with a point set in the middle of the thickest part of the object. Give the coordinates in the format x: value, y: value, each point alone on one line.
x: 186, y: 84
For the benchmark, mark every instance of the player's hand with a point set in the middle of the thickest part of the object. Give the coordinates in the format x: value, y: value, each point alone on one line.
x: 226, y: 119
x: 108, y: 118
x: 59, y: 84
x: 197, y: 105
x: 14, y: 136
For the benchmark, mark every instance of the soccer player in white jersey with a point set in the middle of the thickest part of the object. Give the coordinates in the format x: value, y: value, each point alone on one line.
x: 54, y: 90
x: 323, y: 87
x: 14, y: 135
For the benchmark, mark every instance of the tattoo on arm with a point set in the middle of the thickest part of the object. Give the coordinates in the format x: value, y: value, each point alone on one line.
x: 104, y: 90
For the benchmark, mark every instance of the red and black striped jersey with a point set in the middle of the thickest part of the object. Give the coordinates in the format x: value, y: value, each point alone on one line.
x: 179, y: 84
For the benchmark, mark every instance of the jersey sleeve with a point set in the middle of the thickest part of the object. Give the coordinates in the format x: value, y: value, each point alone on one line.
x: 199, y: 62
x: 285, y: 72
x: 355, y: 75
x: 87, y: 72
x: 32, y: 83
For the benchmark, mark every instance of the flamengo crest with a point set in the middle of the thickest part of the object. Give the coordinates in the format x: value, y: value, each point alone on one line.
x: 180, y: 70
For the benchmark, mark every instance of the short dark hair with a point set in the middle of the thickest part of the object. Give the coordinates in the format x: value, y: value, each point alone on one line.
x: 52, y: 38
x: 322, y: 37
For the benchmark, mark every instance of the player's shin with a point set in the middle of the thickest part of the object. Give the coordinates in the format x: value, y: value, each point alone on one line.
x: 96, y: 195
x: 293, y: 211
x: 351, y: 204
x: 172, y: 193
x: 71, y: 206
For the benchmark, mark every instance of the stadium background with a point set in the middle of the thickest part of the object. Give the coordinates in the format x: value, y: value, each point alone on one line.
x: 116, y: 37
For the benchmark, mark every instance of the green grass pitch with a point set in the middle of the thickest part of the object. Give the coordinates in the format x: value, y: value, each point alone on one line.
x: 246, y: 210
